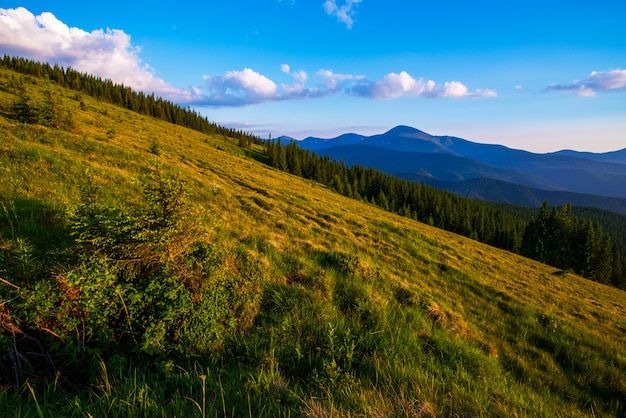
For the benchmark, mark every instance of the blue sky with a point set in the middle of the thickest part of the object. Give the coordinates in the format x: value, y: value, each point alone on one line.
x: 535, y: 75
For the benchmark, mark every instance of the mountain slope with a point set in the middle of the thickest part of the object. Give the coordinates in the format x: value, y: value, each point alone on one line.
x: 349, y: 309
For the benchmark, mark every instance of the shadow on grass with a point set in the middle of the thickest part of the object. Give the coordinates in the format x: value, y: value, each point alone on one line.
x: 34, y: 238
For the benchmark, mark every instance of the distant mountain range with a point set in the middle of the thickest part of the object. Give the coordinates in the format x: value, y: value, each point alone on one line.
x: 483, y: 171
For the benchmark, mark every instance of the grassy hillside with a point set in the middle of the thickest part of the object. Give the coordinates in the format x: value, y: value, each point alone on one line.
x: 284, y: 299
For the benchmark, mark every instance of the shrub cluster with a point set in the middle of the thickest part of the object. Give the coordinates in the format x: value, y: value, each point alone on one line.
x: 144, y: 281
x: 47, y: 112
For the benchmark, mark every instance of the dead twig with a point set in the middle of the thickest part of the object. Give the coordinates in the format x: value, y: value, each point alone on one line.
x: 8, y: 301
x: 54, y: 334
x: 9, y: 283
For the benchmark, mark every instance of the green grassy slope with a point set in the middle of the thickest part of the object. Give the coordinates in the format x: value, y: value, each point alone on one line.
x: 356, y: 312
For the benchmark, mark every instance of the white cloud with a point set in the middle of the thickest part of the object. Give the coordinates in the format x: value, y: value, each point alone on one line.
x: 240, y: 88
x: 237, y: 88
x: 597, y: 81
x: 455, y: 89
x: 394, y: 86
x: 300, y: 76
x: 298, y: 88
x: 344, y: 13
x: 484, y: 93
x: 105, y: 53
x: 334, y: 82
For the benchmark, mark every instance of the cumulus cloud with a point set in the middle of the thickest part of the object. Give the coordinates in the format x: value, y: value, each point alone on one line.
x: 597, y: 81
x: 240, y: 88
x: 106, y: 53
x: 237, y: 88
x: 394, y: 86
x: 334, y: 82
x: 300, y: 78
x: 247, y: 87
x: 344, y: 13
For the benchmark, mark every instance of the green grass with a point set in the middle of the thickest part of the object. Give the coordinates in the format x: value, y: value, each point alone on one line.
x: 352, y: 311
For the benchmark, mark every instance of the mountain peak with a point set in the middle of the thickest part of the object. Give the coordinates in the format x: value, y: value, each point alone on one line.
x: 404, y: 130
x: 410, y: 139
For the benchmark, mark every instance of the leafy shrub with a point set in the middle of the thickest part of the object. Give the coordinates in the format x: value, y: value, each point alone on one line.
x: 146, y: 281
x: 47, y: 112
x: 227, y: 304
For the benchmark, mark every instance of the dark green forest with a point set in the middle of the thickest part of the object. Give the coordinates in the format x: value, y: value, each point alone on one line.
x: 559, y: 238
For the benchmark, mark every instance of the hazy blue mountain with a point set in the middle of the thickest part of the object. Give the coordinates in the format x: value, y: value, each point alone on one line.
x: 606, y: 157
x: 408, y: 151
x: 501, y: 191
x: 434, y: 165
x: 400, y: 138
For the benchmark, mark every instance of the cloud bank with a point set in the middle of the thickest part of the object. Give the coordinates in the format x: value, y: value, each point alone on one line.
x: 110, y: 54
x: 344, y: 13
x: 237, y: 88
x: 105, y: 53
x: 403, y: 85
x: 597, y: 81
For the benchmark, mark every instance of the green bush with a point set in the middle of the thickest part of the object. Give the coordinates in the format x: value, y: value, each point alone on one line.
x: 48, y: 112
x: 146, y: 282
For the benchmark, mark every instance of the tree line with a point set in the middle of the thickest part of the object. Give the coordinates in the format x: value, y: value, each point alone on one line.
x: 551, y: 236
x: 118, y: 94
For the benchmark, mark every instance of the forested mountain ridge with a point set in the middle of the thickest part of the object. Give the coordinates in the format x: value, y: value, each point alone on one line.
x: 597, y: 174
x: 153, y: 270
x: 434, y: 166
x: 492, y: 190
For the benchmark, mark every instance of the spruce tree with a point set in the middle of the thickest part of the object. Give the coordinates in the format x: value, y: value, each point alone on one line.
x: 23, y: 110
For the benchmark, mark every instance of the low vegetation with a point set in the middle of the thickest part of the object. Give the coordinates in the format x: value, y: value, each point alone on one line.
x: 148, y: 269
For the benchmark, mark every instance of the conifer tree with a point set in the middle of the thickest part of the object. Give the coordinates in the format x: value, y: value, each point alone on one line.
x: 23, y: 110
